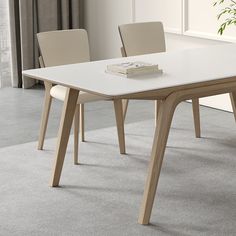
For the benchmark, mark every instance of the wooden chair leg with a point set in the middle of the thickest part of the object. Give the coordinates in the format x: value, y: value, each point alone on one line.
x: 233, y: 102
x: 82, y: 136
x: 76, y: 134
x: 125, y: 103
x: 196, y: 117
x: 45, y: 114
x: 67, y: 116
x: 157, y: 108
x: 166, y: 112
x: 120, y: 124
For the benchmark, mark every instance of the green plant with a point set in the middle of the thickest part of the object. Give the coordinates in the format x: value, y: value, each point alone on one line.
x: 228, y: 13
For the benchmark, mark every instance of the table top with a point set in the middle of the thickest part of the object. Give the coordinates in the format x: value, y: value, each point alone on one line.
x: 180, y: 68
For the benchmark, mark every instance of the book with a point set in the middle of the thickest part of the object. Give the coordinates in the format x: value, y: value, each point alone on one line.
x: 130, y: 69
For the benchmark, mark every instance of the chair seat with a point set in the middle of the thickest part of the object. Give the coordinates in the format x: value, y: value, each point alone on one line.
x: 59, y: 92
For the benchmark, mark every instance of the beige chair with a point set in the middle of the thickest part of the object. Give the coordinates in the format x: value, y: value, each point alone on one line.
x: 68, y: 47
x: 145, y: 38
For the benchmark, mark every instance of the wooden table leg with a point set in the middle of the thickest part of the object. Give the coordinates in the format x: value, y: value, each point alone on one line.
x: 125, y: 103
x: 167, y: 108
x: 161, y: 135
x: 120, y: 124
x: 196, y: 117
x: 233, y: 102
x: 157, y: 108
x: 64, y: 132
x: 76, y: 134
x: 82, y: 136
x: 45, y: 114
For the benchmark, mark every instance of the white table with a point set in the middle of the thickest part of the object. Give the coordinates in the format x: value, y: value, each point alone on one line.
x: 187, y: 74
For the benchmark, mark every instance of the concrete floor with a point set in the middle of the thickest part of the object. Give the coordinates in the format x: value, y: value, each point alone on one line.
x: 20, y: 114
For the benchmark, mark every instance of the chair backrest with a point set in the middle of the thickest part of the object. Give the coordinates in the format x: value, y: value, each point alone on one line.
x: 41, y: 64
x: 122, y: 50
x: 64, y: 47
x: 142, y: 38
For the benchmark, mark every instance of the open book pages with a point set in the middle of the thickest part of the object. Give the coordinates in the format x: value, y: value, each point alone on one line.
x: 129, y: 69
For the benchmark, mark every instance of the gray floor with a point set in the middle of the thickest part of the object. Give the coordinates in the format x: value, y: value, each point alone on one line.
x: 21, y: 112
x: 196, y: 195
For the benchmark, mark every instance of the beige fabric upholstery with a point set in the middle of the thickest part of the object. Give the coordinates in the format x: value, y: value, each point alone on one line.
x: 41, y: 62
x: 59, y: 92
x: 65, y: 47
x: 122, y: 50
x: 142, y: 38
x: 145, y: 38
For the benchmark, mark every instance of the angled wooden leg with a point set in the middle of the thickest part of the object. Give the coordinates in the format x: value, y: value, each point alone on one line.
x: 120, y: 124
x: 233, y: 102
x: 166, y: 112
x: 64, y: 132
x: 82, y: 136
x: 125, y: 103
x: 161, y: 135
x: 76, y: 134
x: 157, y: 108
x: 45, y: 114
x: 196, y: 117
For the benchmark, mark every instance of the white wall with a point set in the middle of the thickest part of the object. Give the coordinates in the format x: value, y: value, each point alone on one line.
x: 102, y: 18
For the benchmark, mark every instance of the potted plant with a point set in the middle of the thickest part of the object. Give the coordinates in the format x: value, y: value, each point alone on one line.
x: 228, y: 13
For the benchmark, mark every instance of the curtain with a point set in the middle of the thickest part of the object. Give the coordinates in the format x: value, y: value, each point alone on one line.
x: 27, y: 18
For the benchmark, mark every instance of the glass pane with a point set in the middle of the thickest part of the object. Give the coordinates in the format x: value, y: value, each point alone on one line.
x: 5, y: 69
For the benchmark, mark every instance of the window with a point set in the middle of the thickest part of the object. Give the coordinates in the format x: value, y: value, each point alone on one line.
x: 5, y: 70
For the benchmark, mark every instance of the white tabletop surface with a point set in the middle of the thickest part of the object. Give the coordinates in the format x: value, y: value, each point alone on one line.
x: 179, y: 68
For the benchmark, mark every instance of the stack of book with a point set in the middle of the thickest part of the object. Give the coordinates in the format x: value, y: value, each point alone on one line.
x: 131, y: 69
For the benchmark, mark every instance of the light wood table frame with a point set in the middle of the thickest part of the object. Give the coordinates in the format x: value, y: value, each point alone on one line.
x: 69, y: 108
x: 220, y: 82
x: 167, y: 108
